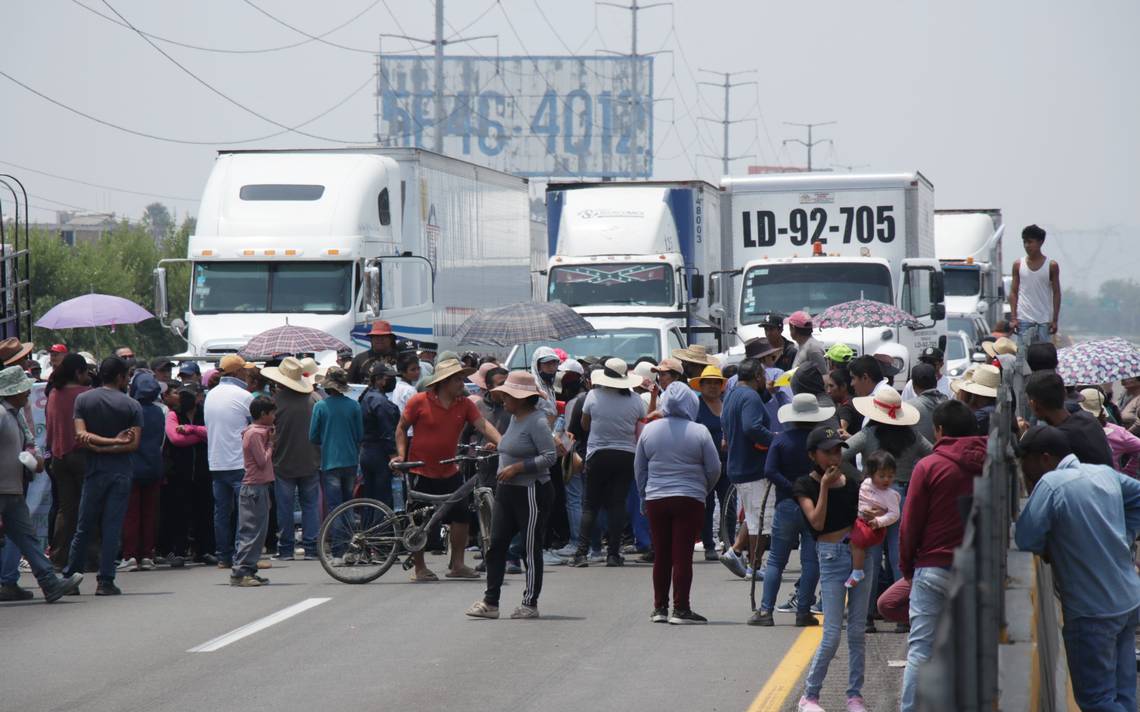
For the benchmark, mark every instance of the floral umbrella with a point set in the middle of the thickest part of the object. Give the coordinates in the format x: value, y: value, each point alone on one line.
x: 1092, y: 363
x: 864, y: 313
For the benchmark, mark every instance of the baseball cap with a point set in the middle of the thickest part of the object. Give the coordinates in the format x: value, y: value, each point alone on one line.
x: 571, y: 366
x: 800, y: 320
x: 1044, y: 439
x: 773, y: 321
x: 231, y: 364
x: 58, y: 348
x: 932, y: 355
x: 188, y: 367
x: 161, y: 364
x: 840, y: 353
x: 824, y: 438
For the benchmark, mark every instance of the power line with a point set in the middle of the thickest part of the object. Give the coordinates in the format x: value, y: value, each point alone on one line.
x: 809, y: 144
x: 100, y: 185
x: 469, y: 25
x: 726, y: 122
x: 316, y: 38
x: 218, y: 50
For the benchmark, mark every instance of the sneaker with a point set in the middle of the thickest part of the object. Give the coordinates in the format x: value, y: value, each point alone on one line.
x: 25, y: 567
x: 482, y: 609
x: 128, y: 564
x: 597, y: 557
x: 646, y: 558
x: 631, y: 549
x: 106, y: 588
x: 207, y: 559
x: 513, y: 567
x: 733, y: 562
x: 687, y: 618
x: 64, y: 587
x: 614, y: 560
x: 147, y: 565
x: 762, y: 619
x: 245, y: 581
x: 567, y: 551
x: 175, y: 561
x: 806, y: 621
x: 711, y: 555
x: 809, y: 704
x: 525, y: 613
x: 549, y: 558
x: 855, y: 704
x: 758, y: 574
x: 788, y: 606
x: 659, y: 615
x: 283, y: 557
x: 261, y: 579
x: 817, y: 607
x: 854, y: 579
x: 12, y: 592
x: 224, y: 564
x: 578, y: 561
x: 338, y: 561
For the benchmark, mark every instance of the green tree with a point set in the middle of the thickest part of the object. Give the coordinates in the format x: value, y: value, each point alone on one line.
x: 157, y: 221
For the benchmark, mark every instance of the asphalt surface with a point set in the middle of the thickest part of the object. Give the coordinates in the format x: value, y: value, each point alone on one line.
x: 390, y: 644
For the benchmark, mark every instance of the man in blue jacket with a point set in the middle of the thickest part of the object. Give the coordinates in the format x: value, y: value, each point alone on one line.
x: 746, y: 431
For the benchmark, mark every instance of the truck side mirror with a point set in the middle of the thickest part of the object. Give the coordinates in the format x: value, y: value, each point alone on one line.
x: 696, y: 286
x: 160, y: 306
x: 938, y: 290
x: 937, y: 312
x: 371, y: 286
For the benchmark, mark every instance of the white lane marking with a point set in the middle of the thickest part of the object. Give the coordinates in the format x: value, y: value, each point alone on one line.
x: 258, y: 625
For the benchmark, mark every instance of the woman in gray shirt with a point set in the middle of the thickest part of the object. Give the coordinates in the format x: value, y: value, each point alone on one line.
x: 523, y: 497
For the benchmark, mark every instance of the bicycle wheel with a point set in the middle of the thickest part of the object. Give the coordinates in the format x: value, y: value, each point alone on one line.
x: 730, y: 517
x: 484, y: 507
x: 359, y: 541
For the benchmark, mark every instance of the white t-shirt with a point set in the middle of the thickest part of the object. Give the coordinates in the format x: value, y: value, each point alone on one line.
x: 943, y: 386
x: 402, y: 394
x: 613, y: 420
x: 226, y: 412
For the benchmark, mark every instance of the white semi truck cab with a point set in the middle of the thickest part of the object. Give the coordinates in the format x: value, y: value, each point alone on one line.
x: 811, y: 241
x: 968, y: 244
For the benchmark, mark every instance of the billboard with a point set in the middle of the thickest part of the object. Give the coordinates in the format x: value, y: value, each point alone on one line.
x: 587, y: 117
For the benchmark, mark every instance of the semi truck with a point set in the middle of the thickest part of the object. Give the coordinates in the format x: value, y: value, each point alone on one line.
x: 813, y: 240
x: 968, y: 244
x: 337, y: 238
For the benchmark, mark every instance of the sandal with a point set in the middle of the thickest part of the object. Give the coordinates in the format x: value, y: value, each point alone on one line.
x: 482, y: 609
x: 426, y: 577
x: 465, y: 572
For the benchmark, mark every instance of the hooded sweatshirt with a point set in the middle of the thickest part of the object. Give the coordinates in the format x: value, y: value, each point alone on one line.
x: 676, y: 456
x: 147, y: 462
x: 932, y: 525
x: 547, y: 404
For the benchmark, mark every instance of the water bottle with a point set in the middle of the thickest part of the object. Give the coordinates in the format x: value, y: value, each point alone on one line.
x: 398, y: 493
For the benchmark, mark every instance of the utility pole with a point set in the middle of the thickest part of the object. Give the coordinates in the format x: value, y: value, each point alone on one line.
x: 635, y: 91
x: 851, y: 167
x: 727, y: 85
x: 439, y: 122
x: 809, y: 144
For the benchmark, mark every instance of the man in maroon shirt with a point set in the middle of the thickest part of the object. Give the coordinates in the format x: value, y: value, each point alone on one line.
x: 932, y: 527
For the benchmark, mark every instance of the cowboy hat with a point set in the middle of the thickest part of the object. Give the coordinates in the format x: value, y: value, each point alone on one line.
x: 711, y: 373
x: 12, y: 351
x: 696, y: 353
x: 381, y: 328
x: 615, y: 374
x: 1004, y: 345
x: 13, y: 382
x: 759, y: 348
x: 804, y: 408
x: 336, y: 379
x: 519, y: 384
x: 983, y: 381
x: 886, y: 407
x: 289, y: 374
x: 445, y: 369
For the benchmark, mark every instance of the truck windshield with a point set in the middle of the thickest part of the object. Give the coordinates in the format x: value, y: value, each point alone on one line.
x: 626, y: 344
x: 785, y: 288
x: 642, y: 284
x: 962, y: 281
x: 259, y: 287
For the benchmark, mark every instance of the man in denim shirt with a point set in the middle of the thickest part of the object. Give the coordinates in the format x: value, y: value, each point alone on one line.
x: 1084, y: 518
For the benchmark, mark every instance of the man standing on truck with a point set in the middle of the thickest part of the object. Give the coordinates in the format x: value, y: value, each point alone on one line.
x: 1035, y: 298
x: 383, y: 349
x: 774, y: 332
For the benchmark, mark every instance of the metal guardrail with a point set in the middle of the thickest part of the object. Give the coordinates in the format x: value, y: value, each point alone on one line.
x: 962, y: 673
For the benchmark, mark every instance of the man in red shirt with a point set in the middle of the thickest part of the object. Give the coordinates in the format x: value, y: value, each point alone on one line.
x: 438, y: 416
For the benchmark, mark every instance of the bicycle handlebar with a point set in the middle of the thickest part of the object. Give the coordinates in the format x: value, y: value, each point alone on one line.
x: 408, y: 465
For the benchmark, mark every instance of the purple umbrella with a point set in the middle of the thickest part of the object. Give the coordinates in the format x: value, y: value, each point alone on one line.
x: 93, y: 310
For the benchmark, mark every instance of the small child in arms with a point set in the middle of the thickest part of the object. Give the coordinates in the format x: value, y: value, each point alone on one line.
x: 878, y: 509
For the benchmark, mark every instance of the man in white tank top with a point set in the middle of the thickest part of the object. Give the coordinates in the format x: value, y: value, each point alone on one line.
x: 1035, y: 300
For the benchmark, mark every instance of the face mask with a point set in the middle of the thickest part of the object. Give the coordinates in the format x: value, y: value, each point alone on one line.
x: 547, y: 378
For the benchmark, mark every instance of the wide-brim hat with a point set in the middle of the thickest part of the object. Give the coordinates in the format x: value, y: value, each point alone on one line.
x: 1004, y: 345
x: 445, y: 369
x: 1092, y: 401
x: 696, y: 353
x: 12, y: 351
x: 309, y: 368
x: 886, y: 407
x: 759, y: 348
x: 615, y: 374
x: 13, y: 381
x: 983, y: 381
x: 711, y: 373
x: 289, y: 374
x: 669, y: 364
x: 381, y: 328
x: 336, y: 379
x: 479, y: 378
x: 805, y: 408
x: 519, y: 384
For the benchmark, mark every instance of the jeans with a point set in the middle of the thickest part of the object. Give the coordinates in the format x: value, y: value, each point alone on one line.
x: 226, y: 484
x: 1102, y: 663
x: 642, y: 539
x: 308, y: 489
x: 338, y: 484
x: 788, y: 524
x: 720, y: 492
x: 377, y: 476
x: 103, y: 502
x: 574, y: 504
x: 20, y: 538
x: 834, y: 568
x: 1029, y: 333
x: 928, y: 591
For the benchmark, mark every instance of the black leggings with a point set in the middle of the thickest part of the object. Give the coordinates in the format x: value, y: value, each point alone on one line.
x: 609, y: 474
x: 521, y: 509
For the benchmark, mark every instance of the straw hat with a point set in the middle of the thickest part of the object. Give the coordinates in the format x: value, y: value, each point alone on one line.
x: 710, y: 373
x: 12, y: 351
x: 519, y: 384
x: 615, y: 374
x: 983, y: 380
x: 309, y: 368
x: 696, y: 353
x: 445, y: 369
x: 886, y: 407
x: 289, y: 374
x: 804, y: 408
x: 13, y: 381
x: 1004, y: 345
x: 1092, y: 401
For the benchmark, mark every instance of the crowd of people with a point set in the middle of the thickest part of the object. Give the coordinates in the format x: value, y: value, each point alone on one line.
x: 599, y: 459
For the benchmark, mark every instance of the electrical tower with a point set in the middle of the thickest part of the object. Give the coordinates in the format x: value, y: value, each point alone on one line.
x: 727, y: 85
x: 810, y: 143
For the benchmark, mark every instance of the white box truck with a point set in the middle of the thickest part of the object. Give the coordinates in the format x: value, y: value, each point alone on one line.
x: 813, y: 240
x: 968, y: 244
x: 336, y: 238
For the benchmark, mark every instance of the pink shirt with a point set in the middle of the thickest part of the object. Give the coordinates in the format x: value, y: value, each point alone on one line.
x: 190, y: 435
x: 871, y: 497
x: 1125, y: 449
x: 257, y: 452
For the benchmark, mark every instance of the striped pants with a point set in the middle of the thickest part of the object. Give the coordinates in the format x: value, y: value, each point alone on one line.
x: 518, y: 509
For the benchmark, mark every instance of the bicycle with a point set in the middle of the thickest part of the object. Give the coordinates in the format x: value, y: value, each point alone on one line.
x: 362, y: 538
